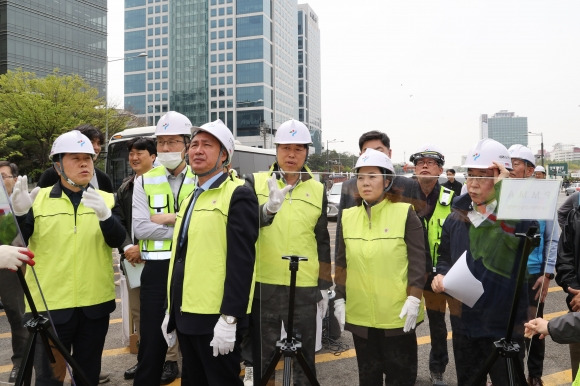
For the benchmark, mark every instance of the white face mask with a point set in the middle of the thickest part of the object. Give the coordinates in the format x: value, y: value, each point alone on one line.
x: 170, y: 160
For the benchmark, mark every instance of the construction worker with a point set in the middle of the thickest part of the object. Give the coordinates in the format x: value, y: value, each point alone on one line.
x: 379, y: 298
x: 100, y: 179
x: 540, y: 172
x: 142, y: 155
x: 292, y: 222
x: 72, y: 228
x: 157, y: 197
x: 212, y: 263
x: 429, y: 161
x: 541, y: 264
x: 492, y: 250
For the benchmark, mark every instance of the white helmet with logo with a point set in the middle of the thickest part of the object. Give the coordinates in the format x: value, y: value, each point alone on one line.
x: 71, y: 142
x: 428, y: 151
x: 540, y: 169
x: 372, y: 157
x: 293, y: 132
x: 173, y: 123
x: 219, y: 130
x: 485, y: 152
x: 523, y: 153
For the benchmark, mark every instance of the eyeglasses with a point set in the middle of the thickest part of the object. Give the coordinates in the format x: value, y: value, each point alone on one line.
x: 170, y: 143
x: 429, y: 162
x: 5, y: 176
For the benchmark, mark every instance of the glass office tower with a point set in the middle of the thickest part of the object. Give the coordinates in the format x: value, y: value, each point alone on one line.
x: 505, y: 127
x: 39, y: 36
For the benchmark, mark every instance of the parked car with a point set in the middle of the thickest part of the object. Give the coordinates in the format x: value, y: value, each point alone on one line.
x: 333, y: 196
x: 575, y: 187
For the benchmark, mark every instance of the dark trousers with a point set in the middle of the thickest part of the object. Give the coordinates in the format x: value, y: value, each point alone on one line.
x: 152, y: 346
x: 12, y: 297
x: 267, y: 322
x: 386, y: 360
x: 536, y: 347
x: 436, y: 305
x: 201, y: 368
x: 85, y: 337
x: 471, y: 355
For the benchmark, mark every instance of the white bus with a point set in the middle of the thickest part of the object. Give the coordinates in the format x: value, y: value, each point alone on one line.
x: 246, y: 159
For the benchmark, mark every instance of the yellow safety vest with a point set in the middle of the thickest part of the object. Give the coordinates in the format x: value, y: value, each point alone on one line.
x: 435, y: 224
x: 160, y: 199
x: 290, y: 233
x: 74, y: 264
x: 205, y: 262
x: 377, y: 265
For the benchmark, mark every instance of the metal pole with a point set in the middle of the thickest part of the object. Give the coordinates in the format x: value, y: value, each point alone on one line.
x: 542, y: 148
x: 327, y: 163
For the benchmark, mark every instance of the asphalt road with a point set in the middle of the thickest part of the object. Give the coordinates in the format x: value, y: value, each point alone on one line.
x: 333, y: 368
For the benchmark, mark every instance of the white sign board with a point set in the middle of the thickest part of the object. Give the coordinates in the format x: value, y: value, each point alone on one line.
x: 528, y: 199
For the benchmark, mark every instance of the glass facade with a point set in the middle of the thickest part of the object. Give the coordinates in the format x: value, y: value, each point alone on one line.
x: 506, y: 128
x: 39, y: 36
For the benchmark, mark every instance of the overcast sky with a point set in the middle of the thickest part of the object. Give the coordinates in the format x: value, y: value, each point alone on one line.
x: 423, y: 71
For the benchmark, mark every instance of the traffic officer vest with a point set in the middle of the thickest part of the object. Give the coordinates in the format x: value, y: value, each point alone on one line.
x: 290, y: 233
x: 205, y: 262
x: 435, y: 224
x: 376, y: 264
x: 73, y: 261
x: 160, y: 200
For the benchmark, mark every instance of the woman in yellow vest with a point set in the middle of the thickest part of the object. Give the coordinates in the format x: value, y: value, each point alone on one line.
x: 71, y: 227
x: 380, y: 276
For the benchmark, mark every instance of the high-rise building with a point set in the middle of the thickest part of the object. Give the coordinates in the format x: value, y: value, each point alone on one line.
x: 71, y: 35
x: 309, y: 87
x: 229, y: 59
x: 505, y: 127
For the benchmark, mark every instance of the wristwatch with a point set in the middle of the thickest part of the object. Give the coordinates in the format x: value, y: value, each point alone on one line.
x: 549, y: 276
x: 229, y: 319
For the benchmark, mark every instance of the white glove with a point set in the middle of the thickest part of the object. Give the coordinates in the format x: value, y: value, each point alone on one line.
x: 339, y: 312
x: 169, y: 336
x: 224, y: 337
x: 411, y: 309
x: 21, y: 199
x: 276, y: 197
x: 92, y: 199
x: 323, y: 304
x: 12, y: 257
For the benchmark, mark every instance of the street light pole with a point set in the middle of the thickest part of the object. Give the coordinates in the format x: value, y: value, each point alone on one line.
x: 327, y: 152
x: 541, y: 134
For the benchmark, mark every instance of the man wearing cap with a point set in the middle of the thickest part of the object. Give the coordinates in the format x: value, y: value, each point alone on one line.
x: 157, y: 197
x: 489, y: 249
x: 71, y: 227
x: 429, y: 161
x: 292, y: 222
x: 540, y: 172
x: 212, y: 263
x: 541, y: 263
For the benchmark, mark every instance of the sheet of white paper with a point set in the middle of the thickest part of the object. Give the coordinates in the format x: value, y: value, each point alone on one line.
x: 461, y: 284
x: 528, y: 198
x: 133, y: 274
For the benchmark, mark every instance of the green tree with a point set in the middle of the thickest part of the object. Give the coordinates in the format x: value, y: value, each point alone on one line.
x: 34, y: 111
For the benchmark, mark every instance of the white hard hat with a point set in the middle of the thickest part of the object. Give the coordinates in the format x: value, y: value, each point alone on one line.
x: 485, y: 152
x: 293, y: 131
x: 173, y: 123
x: 71, y: 142
x: 221, y: 132
x: 372, y: 157
x: 540, y: 169
x: 428, y: 151
x: 522, y: 152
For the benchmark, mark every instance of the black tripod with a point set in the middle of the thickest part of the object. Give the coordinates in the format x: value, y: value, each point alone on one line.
x: 505, y: 347
x: 290, y: 346
x: 39, y: 325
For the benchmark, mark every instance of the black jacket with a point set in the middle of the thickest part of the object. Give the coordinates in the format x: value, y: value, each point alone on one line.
x: 568, y: 260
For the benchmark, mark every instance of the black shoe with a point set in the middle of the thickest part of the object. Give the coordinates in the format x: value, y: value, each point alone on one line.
x: 130, y: 373
x: 170, y: 372
x: 13, y: 374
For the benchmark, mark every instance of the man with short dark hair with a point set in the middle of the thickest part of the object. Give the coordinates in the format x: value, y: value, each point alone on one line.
x: 452, y: 183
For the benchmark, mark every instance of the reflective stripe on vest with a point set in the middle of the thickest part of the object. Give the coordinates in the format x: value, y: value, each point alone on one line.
x: 160, y: 200
x: 377, y: 265
x: 73, y: 261
x: 435, y: 224
x: 290, y: 233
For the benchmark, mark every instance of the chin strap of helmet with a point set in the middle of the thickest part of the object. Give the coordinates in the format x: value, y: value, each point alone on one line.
x: 217, y: 165
x: 68, y: 180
